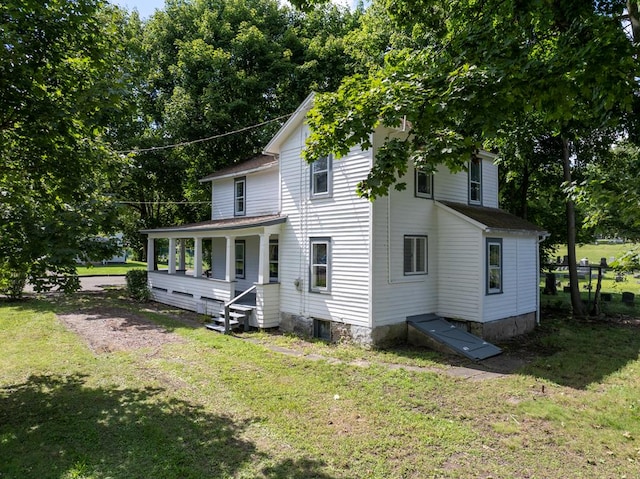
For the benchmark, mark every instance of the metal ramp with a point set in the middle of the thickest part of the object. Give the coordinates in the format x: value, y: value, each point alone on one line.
x: 459, y: 341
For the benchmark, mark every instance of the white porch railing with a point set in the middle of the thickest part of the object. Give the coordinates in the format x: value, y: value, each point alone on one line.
x: 209, y: 296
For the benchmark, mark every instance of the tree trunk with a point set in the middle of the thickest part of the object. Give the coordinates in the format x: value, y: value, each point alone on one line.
x: 595, y: 310
x: 634, y: 19
x: 579, y: 310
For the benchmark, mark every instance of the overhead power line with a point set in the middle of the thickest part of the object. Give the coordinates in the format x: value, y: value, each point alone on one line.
x: 201, y: 140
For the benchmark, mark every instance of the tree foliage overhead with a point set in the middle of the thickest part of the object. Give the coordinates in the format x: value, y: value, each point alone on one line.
x: 208, y: 68
x: 59, y: 88
x: 465, y: 70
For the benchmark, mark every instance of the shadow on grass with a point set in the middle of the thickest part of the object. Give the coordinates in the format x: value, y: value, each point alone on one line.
x: 58, y: 426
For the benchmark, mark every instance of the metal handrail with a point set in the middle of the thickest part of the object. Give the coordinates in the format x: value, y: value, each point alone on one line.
x: 227, y: 309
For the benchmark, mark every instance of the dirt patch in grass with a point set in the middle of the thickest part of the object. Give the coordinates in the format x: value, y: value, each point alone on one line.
x: 114, y: 329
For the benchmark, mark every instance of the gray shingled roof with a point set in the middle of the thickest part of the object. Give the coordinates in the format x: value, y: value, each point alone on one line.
x: 225, y: 224
x: 258, y: 162
x: 493, y: 218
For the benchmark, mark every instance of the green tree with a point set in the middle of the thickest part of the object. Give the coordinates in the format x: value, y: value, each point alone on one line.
x: 59, y: 88
x: 465, y: 70
x: 207, y: 68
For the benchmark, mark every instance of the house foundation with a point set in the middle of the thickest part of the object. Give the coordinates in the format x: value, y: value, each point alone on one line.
x: 500, y: 329
x: 379, y: 337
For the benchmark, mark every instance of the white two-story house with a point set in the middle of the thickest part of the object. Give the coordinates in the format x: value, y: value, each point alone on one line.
x: 319, y: 260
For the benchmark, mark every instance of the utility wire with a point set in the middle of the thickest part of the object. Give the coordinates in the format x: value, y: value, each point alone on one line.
x: 200, y: 140
x: 163, y: 202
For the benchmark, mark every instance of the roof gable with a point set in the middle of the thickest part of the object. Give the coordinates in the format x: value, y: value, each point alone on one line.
x: 298, y: 116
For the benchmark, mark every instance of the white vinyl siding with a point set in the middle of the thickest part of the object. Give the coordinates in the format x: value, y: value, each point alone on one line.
x: 343, y: 217
x: 460, y: 268
x: 455, y: 187
x: 396, y: 295
x: 519, y: 280
x: 261, y: 196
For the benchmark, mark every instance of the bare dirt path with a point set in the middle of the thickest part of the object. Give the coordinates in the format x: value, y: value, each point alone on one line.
x: 116, y: 329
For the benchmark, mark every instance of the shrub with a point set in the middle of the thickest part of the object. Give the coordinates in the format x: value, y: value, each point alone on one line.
x: 137, y: 285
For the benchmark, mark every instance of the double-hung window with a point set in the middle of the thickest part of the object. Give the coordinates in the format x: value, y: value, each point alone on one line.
x: 321, y: 177
x: 239, y: 196
x: 273, y: 261
x: 424, y: 184
x: 320, y: 265
x: 240, y: 259
x: 415, y: 255
x: 494, y: 265
x: 475, y: 181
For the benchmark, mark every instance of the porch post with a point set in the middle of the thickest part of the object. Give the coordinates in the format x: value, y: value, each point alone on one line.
x: 197, y: 257
x: 263, y: 261
x: 230, y: 265
x: 172, y: 256
x: 151, y: 243
x: 182, y: 263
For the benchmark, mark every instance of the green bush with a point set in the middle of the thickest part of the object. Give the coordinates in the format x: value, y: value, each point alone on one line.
x: 137, y: 286
x: 12, y: 282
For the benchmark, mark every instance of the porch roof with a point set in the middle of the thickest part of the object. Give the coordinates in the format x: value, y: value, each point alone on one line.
x: 494, y: 218
x: 237, y: 223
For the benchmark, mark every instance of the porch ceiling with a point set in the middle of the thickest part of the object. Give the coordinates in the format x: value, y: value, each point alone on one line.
x: 209, y: 228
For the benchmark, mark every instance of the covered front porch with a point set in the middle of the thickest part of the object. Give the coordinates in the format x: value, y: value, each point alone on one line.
x: 230, y: 257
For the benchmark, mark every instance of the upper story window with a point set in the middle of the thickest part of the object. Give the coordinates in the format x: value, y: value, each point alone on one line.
x: 494, y: 265
x: 239, y: 196
x: 475, y: 181
x: 321, y: 177
x: 424, y: 184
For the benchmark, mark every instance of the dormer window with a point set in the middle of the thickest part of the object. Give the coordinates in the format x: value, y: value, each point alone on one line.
x: 475, y: 181
x: 239, y: 188
x: 321, y: 177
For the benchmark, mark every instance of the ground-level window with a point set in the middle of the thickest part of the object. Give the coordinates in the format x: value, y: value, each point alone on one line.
x: 475, y: 181
x: 240, y: 258
x: 320, y: 265
x: 322, y: 329
x: 415, y: 255
x: 239, y: 196
x: 494, y: 265
x: 321, y: 177
x: 424, y: 184
x: 273, y: 261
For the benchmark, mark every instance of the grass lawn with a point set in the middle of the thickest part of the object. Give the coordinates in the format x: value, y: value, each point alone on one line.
x: 110, y: 269
x: 214, y: 406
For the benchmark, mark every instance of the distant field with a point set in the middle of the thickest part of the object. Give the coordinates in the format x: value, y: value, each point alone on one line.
x: 593, y: 252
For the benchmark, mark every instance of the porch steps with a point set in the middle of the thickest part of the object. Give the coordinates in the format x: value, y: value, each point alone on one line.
x: 238, y: 316
x: 445, y: 335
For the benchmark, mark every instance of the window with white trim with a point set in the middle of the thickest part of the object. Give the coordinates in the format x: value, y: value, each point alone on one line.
x: 494, y: 265
x: 424, y: 184
x: 240, y: 258
x: 320, y: 265
x: 321, y: 177
x: 273, y: 261
x: 475, y: 181
x: 239, y: 196
x: 415, y: 255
